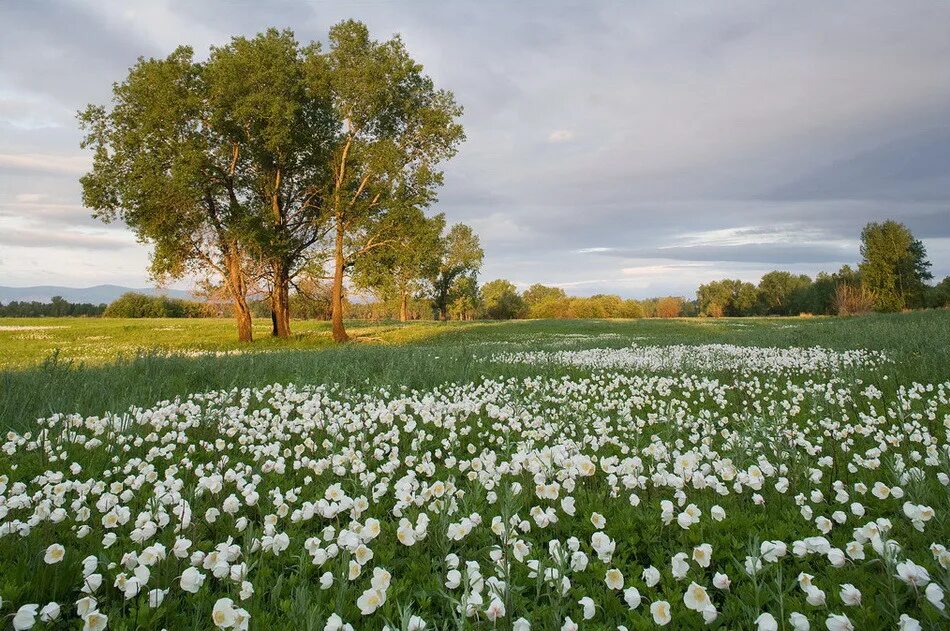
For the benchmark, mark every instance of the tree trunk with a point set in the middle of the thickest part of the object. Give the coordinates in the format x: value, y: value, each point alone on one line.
x: 237, y: 287
x: 280, y: 301
x: 403, y: 305
x: 339, y: 332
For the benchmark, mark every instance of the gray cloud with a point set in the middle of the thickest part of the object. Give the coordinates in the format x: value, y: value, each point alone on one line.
x: 686, y: 141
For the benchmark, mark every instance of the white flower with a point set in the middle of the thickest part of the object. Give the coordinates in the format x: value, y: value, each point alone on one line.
x: 799, y: 622
x: 495, y: 610
x: 588, y: 604
x: 660, y: 610
x: 614, y: 579
x: 696, y: 598
x: 521, y: 625
x: 814, y: 596
x: 156, y: 597
x: 850, y: 595
x: 54, y: 554
x: 721, y: 581
x: 85, y: 605
x: 838, y: 622
x: 370, y: 601
x: 702, y: 555
x: 906, y: 623
x: 912, y: 574
x: 50, y: 612
x: 680, y: 565
x: 631, y: 596
x: 191, y: 580
x: 25, y: 617
x: 651, y: 576
x: 95, y: 621
x: 934, y: 594
x: 223, y: 614
x: 598, y: 520
x: 766, y: 622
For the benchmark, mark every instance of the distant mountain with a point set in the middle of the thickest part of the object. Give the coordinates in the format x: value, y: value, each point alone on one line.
x: 95, y: 295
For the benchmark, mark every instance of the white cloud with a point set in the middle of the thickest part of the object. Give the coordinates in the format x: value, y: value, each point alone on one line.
x: 31, y: 197
x: 46, y: 163
x: 560, y: 135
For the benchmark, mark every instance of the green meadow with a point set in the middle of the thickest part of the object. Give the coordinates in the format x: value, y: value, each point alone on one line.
x: 95, y: 365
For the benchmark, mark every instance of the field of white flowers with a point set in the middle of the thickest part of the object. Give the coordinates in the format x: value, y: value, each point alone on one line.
x: 686, y: 486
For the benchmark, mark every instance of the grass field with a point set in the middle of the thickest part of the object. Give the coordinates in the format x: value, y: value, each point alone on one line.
x: 94, y: 365
x: 534, y: 474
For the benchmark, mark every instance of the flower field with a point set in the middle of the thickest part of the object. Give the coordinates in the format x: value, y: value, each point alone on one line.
x: 688, y: 486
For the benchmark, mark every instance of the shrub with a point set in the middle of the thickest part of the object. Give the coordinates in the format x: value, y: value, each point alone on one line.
x: 135, y: 305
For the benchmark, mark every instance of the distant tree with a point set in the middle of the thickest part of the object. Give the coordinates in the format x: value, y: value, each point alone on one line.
x: 465, y: 298
x: 501, y: 301
x: 783, y: 293
x: 894, y: 266
x: 57, y: 307
x: 393, y: 129
x: 538, y: 293
x: 398, y: 271
x: 631, y: 309
x: 938, y: 296
x: 461, y: 257
x: 669, y: 307
x: 728, y: 298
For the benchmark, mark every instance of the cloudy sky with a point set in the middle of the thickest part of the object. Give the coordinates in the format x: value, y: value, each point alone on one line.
x: 631, y: 147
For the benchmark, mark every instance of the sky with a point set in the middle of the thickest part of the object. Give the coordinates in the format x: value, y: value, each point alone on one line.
x: 637, y: 148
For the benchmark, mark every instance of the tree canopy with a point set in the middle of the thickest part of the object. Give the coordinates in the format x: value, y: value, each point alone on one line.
x: 894, y: 266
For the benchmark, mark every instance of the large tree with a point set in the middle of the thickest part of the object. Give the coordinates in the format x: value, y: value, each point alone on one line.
x: 268, y: 100
x: 457, y: 272
x: 394, y: 128
x: 162, y: 169
x: 220, y: 165
x: 894, y: 265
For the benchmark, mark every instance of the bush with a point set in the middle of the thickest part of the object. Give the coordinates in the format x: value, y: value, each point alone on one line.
x: 851, y: 300
x: 135, y: 305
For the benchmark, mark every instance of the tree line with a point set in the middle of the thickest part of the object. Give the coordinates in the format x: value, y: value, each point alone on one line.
x: 892, y: 276
x: 273, y: 164
x: 57, y: 307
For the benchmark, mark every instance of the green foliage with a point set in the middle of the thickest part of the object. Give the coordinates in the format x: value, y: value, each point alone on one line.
x: 894, y: 266
x: 395, y: 129
x: 783, y: 293
x: 728, y: 298
x: 454, y: 283
x: 938, y: 296
x: 135, y: 305
x: 397, y: 272
x: 574, y: 308
x: 501, y: 301
x: 538, y: 293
